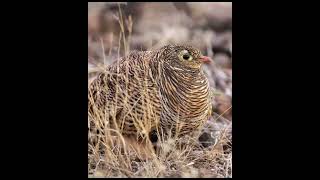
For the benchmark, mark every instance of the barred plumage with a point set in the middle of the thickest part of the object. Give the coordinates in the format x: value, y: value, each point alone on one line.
x: 150, y: 89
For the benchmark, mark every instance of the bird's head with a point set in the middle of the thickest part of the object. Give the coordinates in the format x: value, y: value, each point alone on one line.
x: 183, y: 56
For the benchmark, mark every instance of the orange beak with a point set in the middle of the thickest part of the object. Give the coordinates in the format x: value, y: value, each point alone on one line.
x: 205, y: 59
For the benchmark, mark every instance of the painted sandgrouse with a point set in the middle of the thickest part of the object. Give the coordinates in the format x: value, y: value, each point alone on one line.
x: 164, y: 89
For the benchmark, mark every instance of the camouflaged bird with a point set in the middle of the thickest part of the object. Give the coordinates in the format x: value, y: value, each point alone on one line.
x: 164, y: 89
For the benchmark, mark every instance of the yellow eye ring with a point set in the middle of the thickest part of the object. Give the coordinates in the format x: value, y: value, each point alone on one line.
x: 185, y: 55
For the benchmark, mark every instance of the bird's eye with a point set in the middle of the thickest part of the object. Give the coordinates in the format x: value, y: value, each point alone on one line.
x: 186, y: 56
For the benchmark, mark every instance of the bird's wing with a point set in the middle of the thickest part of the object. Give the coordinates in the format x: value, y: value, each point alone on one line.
x: 121, y: 81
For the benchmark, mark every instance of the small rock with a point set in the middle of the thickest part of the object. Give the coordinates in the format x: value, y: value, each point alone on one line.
x: 206, y: 139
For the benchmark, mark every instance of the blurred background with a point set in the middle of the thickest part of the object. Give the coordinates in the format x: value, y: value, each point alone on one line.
x: 116, y: 28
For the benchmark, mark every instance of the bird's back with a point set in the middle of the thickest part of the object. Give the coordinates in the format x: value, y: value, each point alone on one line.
x: 128, y: 94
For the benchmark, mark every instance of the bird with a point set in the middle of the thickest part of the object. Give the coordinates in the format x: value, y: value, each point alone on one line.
x: 163, y: 90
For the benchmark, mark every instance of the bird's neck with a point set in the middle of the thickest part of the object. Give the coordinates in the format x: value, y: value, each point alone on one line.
x: 174, y: 82
x: 183, y: 74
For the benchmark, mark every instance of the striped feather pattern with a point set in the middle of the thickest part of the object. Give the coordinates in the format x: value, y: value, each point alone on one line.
x: 147, y: 89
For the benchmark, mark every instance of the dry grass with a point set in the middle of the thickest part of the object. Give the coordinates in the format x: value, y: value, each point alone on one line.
x: 112, y: 155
